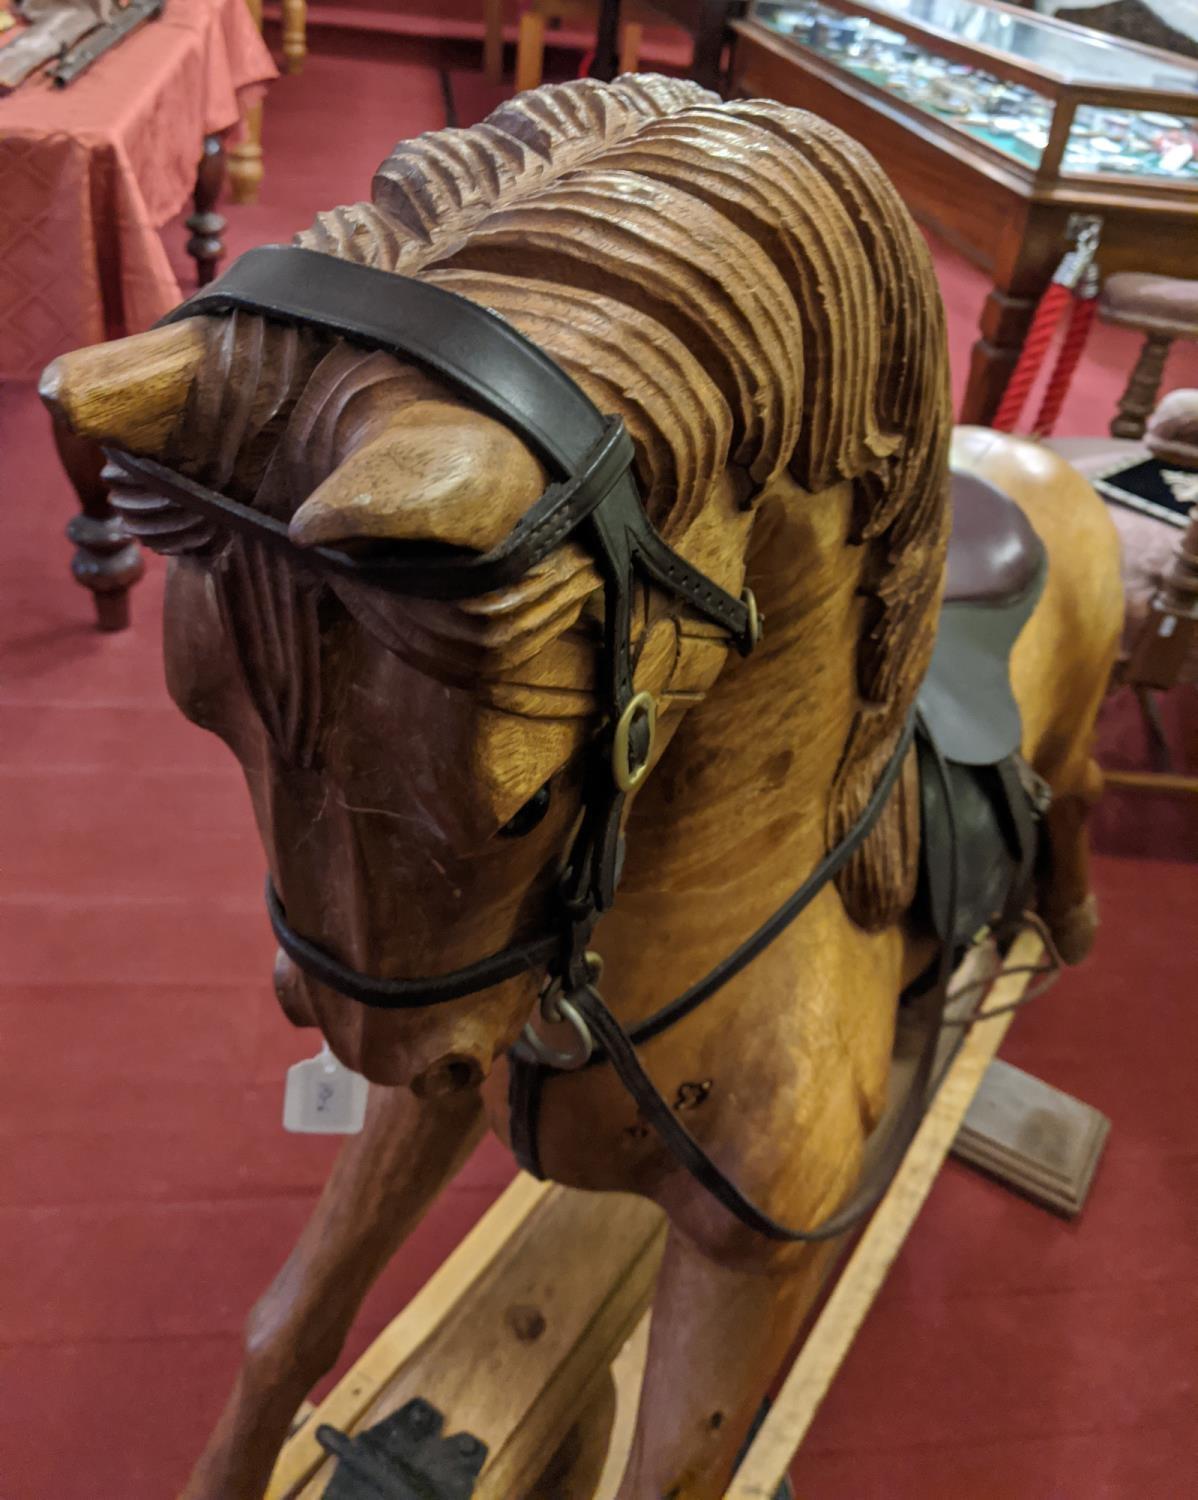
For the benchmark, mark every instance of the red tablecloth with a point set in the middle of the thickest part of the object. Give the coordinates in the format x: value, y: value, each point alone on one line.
x: 90, y: 173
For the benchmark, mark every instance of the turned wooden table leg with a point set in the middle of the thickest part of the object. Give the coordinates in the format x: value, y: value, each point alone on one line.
x: 205, y: 246
x: 245, y: 159
x: 1139, y: 397
x: 107, y: 559
x: 295, y: 34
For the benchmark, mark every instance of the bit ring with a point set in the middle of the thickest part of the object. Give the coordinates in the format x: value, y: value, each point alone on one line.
x: 551, y: 1057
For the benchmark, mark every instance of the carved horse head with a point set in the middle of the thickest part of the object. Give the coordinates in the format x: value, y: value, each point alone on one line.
x: 740, y: 285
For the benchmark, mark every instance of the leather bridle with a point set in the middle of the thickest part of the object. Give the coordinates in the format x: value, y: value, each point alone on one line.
x: 593, y: 500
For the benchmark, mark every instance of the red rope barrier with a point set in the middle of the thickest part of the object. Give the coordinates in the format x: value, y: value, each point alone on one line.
x: 1036, y: 346
x: 1074, y: 288
x: 1076, y: 335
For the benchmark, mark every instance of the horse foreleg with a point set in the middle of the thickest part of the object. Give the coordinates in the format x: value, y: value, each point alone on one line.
x: 377, y: 1192
x: 716, y: 1340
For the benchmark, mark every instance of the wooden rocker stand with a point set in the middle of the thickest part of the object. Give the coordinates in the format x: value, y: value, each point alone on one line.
x: 531, y: 1337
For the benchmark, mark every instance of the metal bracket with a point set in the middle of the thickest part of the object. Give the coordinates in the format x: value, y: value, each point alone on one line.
x: 403, y: 1457
x: 1078, y: 224
x: 1084, y: 232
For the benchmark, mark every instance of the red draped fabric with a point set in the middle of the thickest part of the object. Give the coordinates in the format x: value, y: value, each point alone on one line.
x: 89, y: 175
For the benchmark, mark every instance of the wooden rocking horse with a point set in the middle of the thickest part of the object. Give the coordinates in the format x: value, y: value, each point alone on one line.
x: 469, y: 565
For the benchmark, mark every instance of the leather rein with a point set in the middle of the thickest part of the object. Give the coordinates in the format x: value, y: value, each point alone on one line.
x: 592, y: 499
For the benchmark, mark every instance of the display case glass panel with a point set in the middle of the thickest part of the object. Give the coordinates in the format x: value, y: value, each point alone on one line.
x: 1005, y: 114
x: 1132, y: 143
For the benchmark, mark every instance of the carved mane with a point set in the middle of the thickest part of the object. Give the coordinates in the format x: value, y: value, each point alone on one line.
x: 572, y: 213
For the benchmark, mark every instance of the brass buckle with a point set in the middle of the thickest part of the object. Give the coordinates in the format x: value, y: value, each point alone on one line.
x: 629, y: 777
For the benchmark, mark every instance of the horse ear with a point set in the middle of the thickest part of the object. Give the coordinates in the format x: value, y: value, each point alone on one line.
x: 129, y: 392
x: 438, y: 472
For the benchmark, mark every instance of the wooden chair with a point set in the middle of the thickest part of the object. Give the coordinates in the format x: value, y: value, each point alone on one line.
x: 538, y: 14
x: 1160, y: 578
x: 1162, y: 308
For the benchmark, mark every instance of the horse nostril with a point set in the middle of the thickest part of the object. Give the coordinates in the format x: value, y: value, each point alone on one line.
x: 451, y: 1075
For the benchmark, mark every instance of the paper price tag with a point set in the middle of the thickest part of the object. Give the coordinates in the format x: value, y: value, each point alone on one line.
x: 322, y: 1097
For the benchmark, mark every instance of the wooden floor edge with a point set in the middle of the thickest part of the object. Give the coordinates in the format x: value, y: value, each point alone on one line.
x: 824, y: 1350
x: 303, y: 1455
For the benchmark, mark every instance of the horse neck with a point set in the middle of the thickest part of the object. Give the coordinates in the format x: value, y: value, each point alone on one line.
x: 734, y: 816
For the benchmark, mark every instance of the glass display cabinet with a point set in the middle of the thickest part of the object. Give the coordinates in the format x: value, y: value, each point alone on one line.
x: 1049, y: 96
x: 997, y: 125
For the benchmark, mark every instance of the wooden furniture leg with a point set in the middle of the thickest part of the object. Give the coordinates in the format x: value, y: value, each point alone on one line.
x: 107, y: 560
x: 205, y: 246
x: 607, y: 40
x: 630, y: 46
x: 493, y: 40
x: 295, y: 34
x: 1004, y: 324
x: 710, y: 28
x: 530, y: 51
x: 245, y: 159
x: 1139, y: 397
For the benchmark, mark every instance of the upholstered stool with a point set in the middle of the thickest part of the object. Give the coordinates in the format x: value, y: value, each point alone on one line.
x: 1162, y: 308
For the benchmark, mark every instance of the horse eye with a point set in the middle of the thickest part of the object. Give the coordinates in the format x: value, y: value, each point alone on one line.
x: 528, y: 817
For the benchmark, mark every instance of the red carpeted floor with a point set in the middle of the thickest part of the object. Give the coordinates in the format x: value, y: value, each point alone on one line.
x: 147, y: 1192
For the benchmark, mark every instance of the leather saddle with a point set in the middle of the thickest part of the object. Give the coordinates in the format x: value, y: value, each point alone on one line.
x: 969, y: 728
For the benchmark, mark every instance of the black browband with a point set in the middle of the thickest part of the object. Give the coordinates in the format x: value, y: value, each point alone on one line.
x: 592, y: 496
